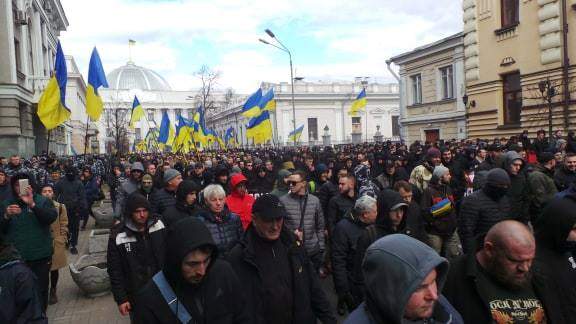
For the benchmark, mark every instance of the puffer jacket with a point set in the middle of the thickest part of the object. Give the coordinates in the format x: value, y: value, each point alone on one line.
x: 161, y: 200
x: 478, y: 213
x: 240, y: 205
x: 226, y: 228
x: 445, y: 224
x: 312, y: 224
x: 563, y: 178
x: 134, y: 257
x: 338, y: 206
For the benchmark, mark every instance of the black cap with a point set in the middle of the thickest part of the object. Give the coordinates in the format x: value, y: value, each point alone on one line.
x: 545, y: 157
x: 269, y: 207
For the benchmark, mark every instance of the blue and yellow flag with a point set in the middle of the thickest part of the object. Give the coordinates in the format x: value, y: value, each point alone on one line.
x: 267, y: 101
x: 183, y: 141
x: 358, y: 104
x: 137, y: 112
x: 200, y: 127
x: 52, y: 109
x: 165, y: 129
x: 294, y: 135
x: 96, y: 79
x: 251, y: 108
x: 229, y: 134
x: 260, y: 128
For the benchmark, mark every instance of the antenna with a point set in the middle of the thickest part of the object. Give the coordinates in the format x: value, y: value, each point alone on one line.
x: 131, y: 43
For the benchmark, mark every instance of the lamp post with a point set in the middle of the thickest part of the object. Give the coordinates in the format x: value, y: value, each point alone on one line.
x: 286, y: 50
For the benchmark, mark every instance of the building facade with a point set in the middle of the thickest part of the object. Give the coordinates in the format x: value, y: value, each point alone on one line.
x: 29, y: 31
x: 513, y: 49
x: 432, y: 85
x: 319, y: 105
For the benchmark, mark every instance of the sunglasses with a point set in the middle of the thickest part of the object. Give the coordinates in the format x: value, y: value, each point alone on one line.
x: 293, y: 183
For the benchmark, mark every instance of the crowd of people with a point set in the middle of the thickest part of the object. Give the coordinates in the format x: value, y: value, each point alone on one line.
x: 469, y: 231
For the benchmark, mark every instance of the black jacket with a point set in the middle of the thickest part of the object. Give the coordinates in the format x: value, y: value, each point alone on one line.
x: 309, y: 300
x: 226, y: 229
x: 217, y: 299
x: 18, y: 293
x: 443, y: 225
x: 181, y: 210
x: 344, y: 240
x: 554, y: 260
x: 462, y: 292
x: 134, y: 257
x: 563, y: 178
x: 71, y: 194
x: 161, y: 200
x: 338, y: 207
x: 478, y: 213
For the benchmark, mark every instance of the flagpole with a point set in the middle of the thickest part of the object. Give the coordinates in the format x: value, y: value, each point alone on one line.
x: 86, y: 135
x: 48, y: 143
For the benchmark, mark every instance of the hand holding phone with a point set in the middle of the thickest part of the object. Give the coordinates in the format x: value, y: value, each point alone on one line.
x: 23, y: 184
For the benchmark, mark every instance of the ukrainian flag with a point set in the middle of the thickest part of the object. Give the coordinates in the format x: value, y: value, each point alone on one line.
x: 137, y: 112
x: 267, y: 102
x: 52, y: 109
x: 200, y: 127
x: 294, y: 135
x: 166, y: 131
x: 260, y: 128
x: 229, y: 134
x: 96, y: 79
x: 359, y: 103
x: 251, y: 108
x: 183, y: 141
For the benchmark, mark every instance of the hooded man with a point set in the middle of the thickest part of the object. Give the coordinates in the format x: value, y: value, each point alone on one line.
x: 518, y: 192
x: 135, y: 251
x: 484, y: 208
x: 128, y: 187
x: 25, y: 221
x: 186, y: 203
x: 541, y: 184
x: 404, y: 278
x: 147, y: 187
x: 19, y: 295
x: 555, y: 234
x: 194, y: 286
x: 239, y: 201
x: 278, y: 278
x: 70, y: 192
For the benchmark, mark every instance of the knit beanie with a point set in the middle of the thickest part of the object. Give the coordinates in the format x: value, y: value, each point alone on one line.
x: 433, y: 153
x: 498, y: 177
x: 170, y: 174
x: 439, y: 171
x: 136, y: 201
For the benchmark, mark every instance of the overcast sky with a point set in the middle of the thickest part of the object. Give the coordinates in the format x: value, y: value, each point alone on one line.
x: 330, y: 39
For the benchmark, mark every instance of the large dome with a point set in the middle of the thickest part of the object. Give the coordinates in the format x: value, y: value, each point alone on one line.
x: 132, y: 76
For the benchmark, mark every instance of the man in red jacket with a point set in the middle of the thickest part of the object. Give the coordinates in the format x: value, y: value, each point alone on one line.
x: 239, y: 201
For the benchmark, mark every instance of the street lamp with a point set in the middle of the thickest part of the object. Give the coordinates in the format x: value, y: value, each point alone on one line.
x: 286, y: 50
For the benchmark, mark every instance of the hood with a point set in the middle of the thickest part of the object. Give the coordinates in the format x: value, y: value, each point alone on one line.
x: 183, y: 237
x: 394, y: 267
x: 19, y: 176
x: 186, y: 187
x: 8, y: 253
x: 552, y: 229
x: 236, y: 179
x: 137, y: 166
x: 509, y: 157
x: 389, y: 199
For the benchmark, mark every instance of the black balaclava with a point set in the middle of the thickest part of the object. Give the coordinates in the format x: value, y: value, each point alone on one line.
x: 70, y: 173
x: 497, y: 184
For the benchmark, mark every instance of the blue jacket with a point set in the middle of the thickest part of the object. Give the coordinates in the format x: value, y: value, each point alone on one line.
x: 226, y: 230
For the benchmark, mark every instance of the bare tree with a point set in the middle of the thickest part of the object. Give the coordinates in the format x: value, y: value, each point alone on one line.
x: 229, y: 96
x: 115, y: 122
x: 205, y: 96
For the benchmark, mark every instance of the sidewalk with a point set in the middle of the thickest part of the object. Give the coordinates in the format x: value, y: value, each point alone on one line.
x: 73, y: 306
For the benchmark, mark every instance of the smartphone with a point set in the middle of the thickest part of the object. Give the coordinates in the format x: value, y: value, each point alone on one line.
x: 23, y: 184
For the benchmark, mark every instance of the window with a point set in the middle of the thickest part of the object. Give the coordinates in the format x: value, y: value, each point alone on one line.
x: 150, y: 115
x: 510, y: 13
x: 137, y: 134
x: 395, y: 126
x: 512, y: 98
x: 447, y: 76
x: 312, y: 129
x: 416, y: 89
x: 356, y: 125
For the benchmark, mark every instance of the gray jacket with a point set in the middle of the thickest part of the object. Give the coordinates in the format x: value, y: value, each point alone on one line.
x: 313, y: 223
x: 124, y: 190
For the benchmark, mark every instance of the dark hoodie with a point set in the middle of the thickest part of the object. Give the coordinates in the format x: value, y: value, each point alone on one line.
x: 394, y: 267
x: 216, y: 299
x: 554, y: 255
x: 181, y: 209
x: 518, y: 192
x: 281, y: 187
x: 18, y: 293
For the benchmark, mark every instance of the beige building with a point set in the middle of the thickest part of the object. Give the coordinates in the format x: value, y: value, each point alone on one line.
x: 431, y: 87
x: 29, y: 32
x: 512, y: 47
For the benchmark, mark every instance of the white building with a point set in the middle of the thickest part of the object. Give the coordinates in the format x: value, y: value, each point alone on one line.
x: 154, y: 94
x: 321, y: 104
x: 29, y: 31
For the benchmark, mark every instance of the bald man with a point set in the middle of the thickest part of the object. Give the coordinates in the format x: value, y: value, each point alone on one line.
x: 496, y: 285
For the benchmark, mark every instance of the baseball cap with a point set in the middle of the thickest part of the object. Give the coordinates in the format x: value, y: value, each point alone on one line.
x: 269, y: 207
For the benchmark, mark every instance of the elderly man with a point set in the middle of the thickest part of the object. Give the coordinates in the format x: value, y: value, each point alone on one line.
x: 344, y: 239
x: 496, y: 284
x: 404, y: 278
x: 279, y: 280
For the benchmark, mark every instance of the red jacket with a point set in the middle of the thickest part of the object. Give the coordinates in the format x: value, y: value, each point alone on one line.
x: 240, y: 205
